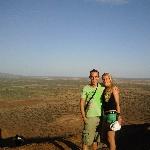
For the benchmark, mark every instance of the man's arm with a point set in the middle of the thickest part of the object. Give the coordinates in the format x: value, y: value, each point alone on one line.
x: 82, y: 105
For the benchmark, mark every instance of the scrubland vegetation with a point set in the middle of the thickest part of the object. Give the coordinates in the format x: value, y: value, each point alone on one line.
x: 41, y: 109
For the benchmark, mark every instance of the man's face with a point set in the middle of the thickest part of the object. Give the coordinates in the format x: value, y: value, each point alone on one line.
x: 94, y: 78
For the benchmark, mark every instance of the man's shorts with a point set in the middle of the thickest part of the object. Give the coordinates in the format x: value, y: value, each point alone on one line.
x: 91, y: 132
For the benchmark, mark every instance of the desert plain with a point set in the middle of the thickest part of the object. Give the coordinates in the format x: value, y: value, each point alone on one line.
x: 45, y: 112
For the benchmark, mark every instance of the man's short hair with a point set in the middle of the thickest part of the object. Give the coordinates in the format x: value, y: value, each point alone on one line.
x: 94, y: 70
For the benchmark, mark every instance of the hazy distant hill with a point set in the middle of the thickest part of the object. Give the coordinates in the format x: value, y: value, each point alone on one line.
x: 119, y: 80
x: 12, y: 76
x: 7, y: 75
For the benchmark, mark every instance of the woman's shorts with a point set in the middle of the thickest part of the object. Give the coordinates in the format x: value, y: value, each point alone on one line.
x: 110, y: 118
x: 91, y: 132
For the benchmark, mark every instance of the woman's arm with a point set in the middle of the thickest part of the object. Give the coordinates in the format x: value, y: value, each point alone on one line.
x: 117, y: 100
x: 116, y: 96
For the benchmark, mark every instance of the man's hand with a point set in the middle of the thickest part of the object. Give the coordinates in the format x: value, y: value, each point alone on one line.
x: 84, y: 119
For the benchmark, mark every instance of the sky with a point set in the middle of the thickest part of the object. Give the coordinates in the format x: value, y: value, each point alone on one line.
x: 71, y: 37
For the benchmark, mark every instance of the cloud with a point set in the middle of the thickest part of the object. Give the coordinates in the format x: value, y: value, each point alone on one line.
x: 116, y: 2
x: 113, y: 1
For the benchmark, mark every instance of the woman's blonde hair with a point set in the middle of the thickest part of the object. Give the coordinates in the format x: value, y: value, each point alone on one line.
x: 107, y: 74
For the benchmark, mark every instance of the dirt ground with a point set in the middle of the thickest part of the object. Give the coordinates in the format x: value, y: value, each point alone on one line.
x: 56, y: 124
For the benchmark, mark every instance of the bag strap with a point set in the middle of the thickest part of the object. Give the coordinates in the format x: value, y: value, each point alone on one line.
x: 91, y: 98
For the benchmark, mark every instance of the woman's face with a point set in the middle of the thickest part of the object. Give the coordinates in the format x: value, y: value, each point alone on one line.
x: 106, y: 80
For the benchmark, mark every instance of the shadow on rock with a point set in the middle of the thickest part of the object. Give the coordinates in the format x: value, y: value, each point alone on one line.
x: 134, y: 137
x: 12, y: 141
x: 20, y: 141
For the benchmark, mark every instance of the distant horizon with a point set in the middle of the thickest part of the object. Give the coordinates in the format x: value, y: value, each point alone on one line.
x: 59, y: 76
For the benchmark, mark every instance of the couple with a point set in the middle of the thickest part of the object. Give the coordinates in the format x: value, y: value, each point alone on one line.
x: 99, y: 99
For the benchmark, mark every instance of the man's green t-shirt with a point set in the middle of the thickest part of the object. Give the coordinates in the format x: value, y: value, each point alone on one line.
x: 95, y: 104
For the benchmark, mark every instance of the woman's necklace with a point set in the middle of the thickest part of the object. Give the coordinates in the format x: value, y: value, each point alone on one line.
x: 107, y: 95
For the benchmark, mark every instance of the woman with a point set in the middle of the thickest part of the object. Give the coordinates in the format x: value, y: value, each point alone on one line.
x: 111, y: 108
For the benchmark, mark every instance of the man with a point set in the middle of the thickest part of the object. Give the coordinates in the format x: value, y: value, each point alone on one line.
x: 90, y: 105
